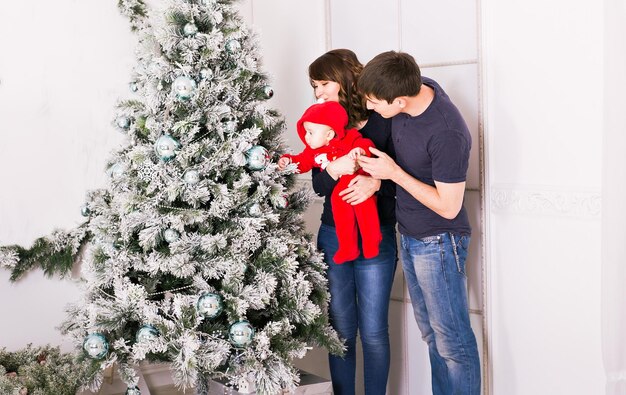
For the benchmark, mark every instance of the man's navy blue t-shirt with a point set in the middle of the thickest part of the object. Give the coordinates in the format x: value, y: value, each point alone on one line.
x: 433, y: 146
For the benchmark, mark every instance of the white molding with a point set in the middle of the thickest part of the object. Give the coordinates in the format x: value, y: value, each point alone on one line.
x: 543, y: 201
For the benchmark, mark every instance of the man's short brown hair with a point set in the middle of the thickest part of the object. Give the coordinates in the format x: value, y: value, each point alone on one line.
x: 390, y: 75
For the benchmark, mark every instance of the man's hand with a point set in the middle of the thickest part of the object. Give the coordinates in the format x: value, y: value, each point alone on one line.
x: 360, y: 189
x: 381, y: 167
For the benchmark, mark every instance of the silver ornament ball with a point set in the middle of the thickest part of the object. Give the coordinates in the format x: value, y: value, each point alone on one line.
x: 133, y: 86
x: 184, y: 87
x: 282, y: 202
x: 190, y: 29
x: 206, y: 74
x: 122, y: 122
x: 84, y: 210
x: 96, y: 345
x: 255, y: 210
x: 257, y: 157
x: 191, y: 177
x: 233, y: 46
x: 268, y: 92
x: 241, y: 333
x: 147, y: 333
x: 171, y: 235
x: 166, y: 147
x: 209, y: 305
x: 117, y: 170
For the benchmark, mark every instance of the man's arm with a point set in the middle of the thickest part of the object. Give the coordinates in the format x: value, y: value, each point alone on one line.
x: 445, y: 199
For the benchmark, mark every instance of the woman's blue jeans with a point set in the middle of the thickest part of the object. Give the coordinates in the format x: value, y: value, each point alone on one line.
x: 434, y: 269
x: 359, y: 302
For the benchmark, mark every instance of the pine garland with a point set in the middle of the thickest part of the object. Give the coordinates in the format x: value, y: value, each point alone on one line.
x: 43, y: 371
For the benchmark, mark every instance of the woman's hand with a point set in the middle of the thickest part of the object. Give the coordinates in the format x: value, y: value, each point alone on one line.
x: 341, y: 167
x: 360, y: 189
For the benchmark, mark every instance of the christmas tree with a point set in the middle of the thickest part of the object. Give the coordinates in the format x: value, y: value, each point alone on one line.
x: 195, y: 253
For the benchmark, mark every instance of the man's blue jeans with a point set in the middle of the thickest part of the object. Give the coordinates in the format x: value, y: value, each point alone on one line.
x: 360, y: 292
x: 434, y: 268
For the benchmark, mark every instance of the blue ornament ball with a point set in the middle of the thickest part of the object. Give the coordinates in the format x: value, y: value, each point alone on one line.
x: 190, y: 29
x: 257, y: 157
x: 166, y: 147
x: 133, y: 86
x: 96, y: 345
x: 191, y: 177
x: 184, y: 87
x: 171, y: 235
x: 209, y: 305
x: 133, y: 391
x: 241, y: 333
x: 146, y: 334
x: 233, y: 46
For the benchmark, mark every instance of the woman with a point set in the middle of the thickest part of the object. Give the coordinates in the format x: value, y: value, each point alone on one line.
x: 360, y: 289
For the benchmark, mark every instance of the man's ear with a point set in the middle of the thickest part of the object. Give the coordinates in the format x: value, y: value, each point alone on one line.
x: 401, y: 101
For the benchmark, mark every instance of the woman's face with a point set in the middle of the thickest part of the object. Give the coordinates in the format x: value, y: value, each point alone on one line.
x: 326, y: 90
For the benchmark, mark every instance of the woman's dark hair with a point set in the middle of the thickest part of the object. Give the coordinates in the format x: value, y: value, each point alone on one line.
x: 343, y: 67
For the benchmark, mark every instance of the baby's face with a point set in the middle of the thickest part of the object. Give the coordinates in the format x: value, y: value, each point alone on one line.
x: 317, y: 135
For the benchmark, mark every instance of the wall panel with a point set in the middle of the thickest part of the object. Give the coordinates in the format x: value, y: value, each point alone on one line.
x: 367, y: 27
x: 440, y: 31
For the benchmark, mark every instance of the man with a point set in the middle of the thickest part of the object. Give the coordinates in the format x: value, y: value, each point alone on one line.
x: 432, y: 146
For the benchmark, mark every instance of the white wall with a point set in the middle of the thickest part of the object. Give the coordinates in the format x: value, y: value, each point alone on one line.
x: 543, y: 81
x: 63, y: 66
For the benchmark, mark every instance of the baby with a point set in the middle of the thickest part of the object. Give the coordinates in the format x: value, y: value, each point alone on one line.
x: 322, y: 129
